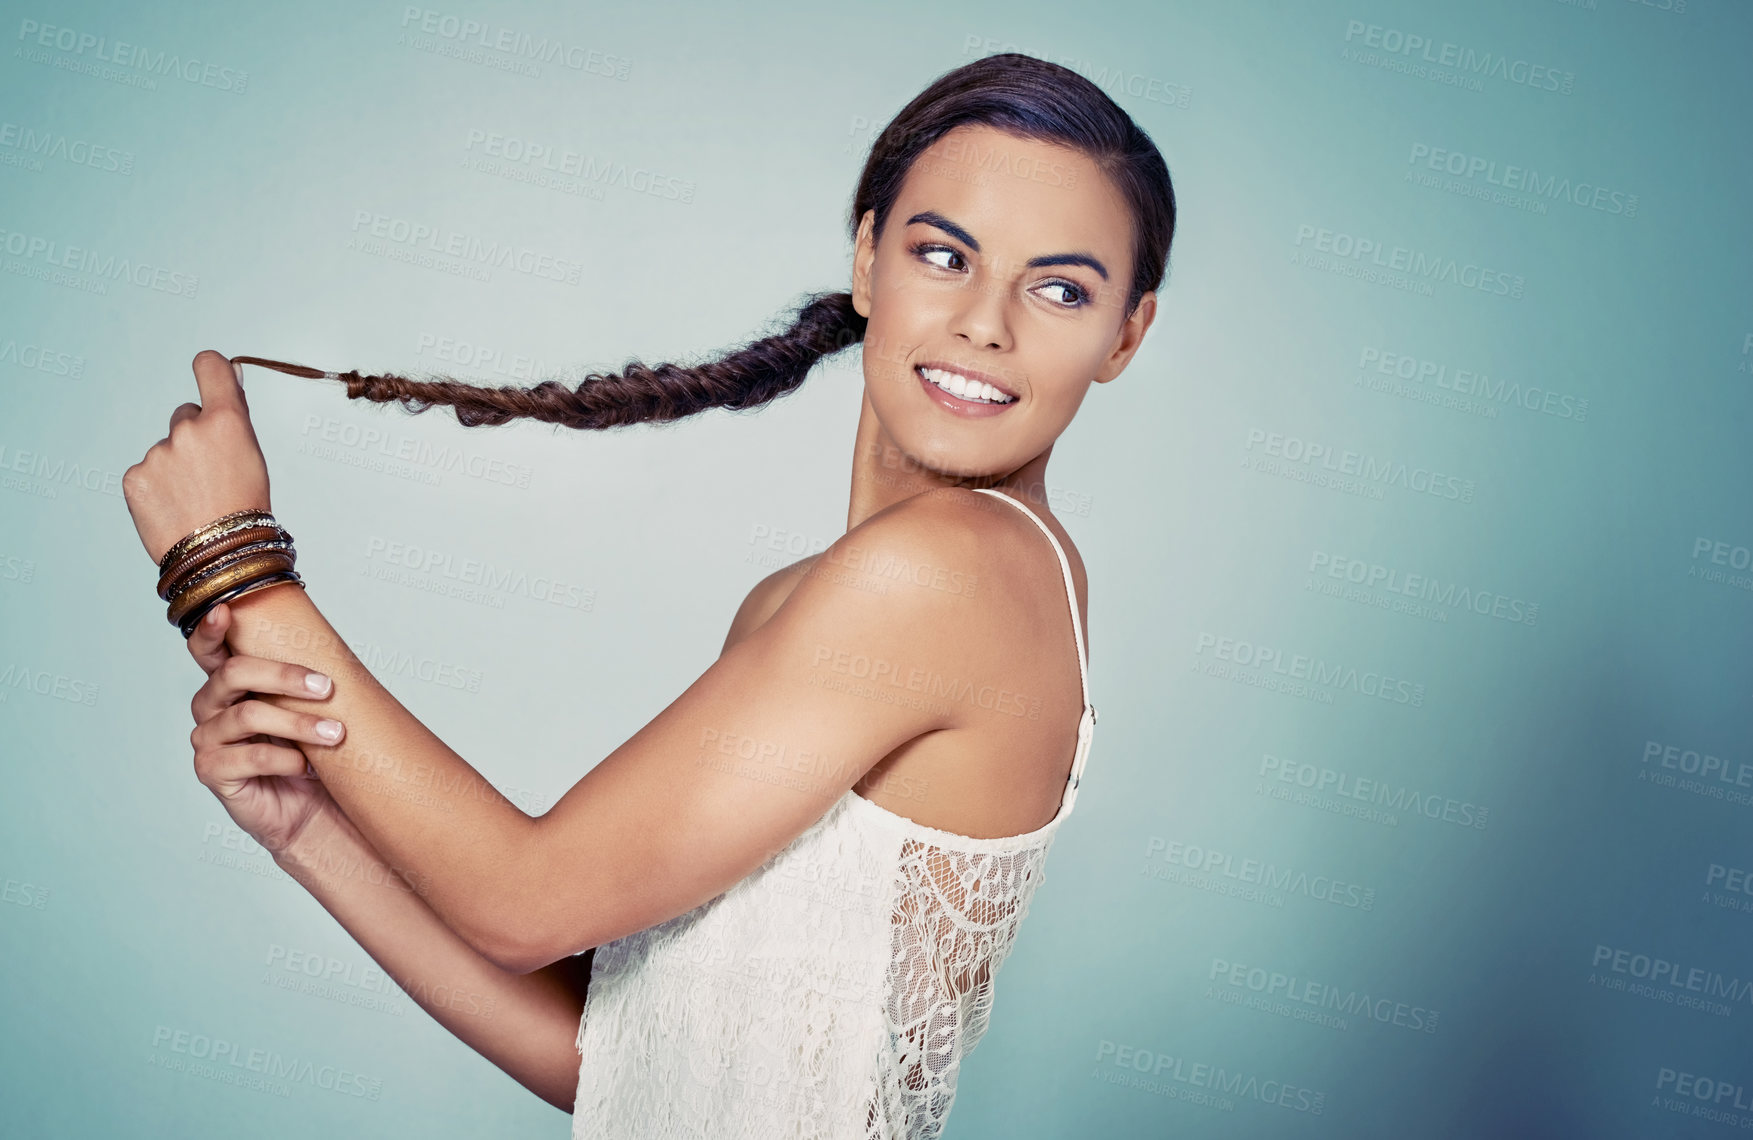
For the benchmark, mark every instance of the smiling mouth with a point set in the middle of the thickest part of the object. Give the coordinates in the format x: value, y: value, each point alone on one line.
x: 964, y: 387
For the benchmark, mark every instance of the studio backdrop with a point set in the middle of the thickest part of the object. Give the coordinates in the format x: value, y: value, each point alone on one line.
x: 1418, y: 532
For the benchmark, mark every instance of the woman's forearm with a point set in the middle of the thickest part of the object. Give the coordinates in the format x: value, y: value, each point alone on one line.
x: 415, y: 800
x: 526, y: 1024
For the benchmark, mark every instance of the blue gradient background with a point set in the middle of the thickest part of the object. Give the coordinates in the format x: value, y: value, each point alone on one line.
x: 147, y: 918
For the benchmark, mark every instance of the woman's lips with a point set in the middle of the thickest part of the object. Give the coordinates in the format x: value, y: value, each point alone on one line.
x: 949, y: 401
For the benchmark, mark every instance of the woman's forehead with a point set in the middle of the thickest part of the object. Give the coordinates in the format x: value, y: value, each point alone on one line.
x: 1016, y: 193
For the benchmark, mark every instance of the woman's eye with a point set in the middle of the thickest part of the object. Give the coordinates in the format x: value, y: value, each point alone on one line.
x: 1069, y: 296
x: 942, y: 257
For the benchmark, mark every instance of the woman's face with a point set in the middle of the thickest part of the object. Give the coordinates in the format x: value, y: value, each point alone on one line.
x: 1003, y: 260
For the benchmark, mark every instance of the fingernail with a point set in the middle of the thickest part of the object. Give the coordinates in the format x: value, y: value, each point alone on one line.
x: 212, y: 617
x: 329, y: 729
x: 317, y: 683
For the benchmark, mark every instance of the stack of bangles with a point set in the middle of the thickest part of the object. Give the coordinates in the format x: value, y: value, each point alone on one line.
x: 231, y: 556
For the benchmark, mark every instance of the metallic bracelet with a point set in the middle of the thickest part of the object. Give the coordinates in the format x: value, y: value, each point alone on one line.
x: 223, y: 524
x: 234, y: 555
x: 255, y: 566
x: 225, y: 559
x: 192, y: 619
x: 213, y: 548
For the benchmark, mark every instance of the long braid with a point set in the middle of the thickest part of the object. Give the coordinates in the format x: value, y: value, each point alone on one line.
x: 746, y: 378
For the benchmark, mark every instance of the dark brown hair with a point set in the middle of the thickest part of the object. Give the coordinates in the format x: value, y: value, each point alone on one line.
x: 1016, y: 94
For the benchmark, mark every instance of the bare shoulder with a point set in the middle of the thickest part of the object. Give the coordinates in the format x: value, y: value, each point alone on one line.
x: 1020, y: 556
x: 974, y: 608
x: 951, y: 541
x: 880, y: 546
x: 996, y: 655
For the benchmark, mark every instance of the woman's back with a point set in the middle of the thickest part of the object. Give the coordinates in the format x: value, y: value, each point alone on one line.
x: 831, y: 993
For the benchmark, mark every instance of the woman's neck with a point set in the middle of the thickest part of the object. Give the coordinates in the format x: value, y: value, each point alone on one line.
x: 883, y: 475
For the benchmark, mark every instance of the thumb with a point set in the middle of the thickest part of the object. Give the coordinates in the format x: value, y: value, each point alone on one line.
x: 217, y: 378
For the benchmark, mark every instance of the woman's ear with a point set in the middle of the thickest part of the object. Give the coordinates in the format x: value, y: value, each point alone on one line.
x: 863, y: 257
x: 1130, y: 336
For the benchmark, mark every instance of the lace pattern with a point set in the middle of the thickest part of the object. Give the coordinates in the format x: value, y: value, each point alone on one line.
x: 832, y: 994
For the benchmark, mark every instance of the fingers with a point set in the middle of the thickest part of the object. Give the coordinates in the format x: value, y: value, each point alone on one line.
x: 182, y: 412
x: 237, y: 723
x: 225, y: 768
x: 236, y: 677
x: 218, y: 381
x: 207, y: 644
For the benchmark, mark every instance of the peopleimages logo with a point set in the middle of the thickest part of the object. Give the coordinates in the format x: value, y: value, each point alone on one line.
x: 1736, y: 884
x: 1520, y: 179
x: 566, y: 163
x: 1396, y: 46
x: 1714, y: 560
x: 465, y: 35
x: 44, y: 683
x: 1315, y: 670
x: 384, y: 662
x: 1673, y: 982
x: 45, y: 471
x: 471, y: 251
x: 1323, y: 781
x: 1353, y: 467
x: 1207, y: 861
x: 26, y: 145
x: 1712, y: 1097
x: 1274, y: 987
x: 432, y: 458
x: 1691, y: 762
x: 41, y: 359
x: 1414, y: 264
x: 85, y: 51
x: 1472, y: 384
x: 44, y: 258
x: 1207, y: 1083
x: 1423, y: 587
x: 270, y: 1064
x: 473, y: 578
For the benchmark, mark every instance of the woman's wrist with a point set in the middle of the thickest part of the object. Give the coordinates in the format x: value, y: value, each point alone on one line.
x: 324, y: 836
x: 330, y: 850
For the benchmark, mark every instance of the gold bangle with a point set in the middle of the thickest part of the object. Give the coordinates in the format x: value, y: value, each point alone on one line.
x: 221, y: 545
x: 207, y: 569
x: 251, y: 567
x: 183, y: 545
x: 255, y: 566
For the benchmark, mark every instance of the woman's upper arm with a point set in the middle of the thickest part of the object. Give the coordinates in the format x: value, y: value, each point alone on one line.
x: 773, y: 733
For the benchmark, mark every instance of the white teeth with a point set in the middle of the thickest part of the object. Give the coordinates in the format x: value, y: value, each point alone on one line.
x: 975, y: 391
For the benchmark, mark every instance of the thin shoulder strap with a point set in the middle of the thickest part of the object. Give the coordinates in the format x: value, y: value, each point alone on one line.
x: 1086, y: 724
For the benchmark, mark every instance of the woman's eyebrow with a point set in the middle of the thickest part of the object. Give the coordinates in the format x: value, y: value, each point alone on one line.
x: 938, y: 221
x: 1069, y: 259
x: 933, y: 218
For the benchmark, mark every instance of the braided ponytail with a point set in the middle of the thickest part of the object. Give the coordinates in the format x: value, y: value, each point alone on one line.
x: 747, y: 378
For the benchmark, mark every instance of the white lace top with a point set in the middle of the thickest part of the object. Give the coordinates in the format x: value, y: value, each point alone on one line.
x: 829, y: 995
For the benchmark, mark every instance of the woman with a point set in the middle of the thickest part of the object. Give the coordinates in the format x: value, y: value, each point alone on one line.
x: 779, y: 908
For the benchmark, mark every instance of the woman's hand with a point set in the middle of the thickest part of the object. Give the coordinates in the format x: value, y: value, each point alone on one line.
x: 209, y: 465
x: 245, y: 750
